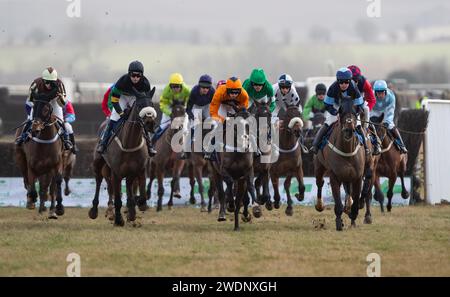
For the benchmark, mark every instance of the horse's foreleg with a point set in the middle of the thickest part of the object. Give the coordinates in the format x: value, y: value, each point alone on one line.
x: 44, y: 183
x: 401, y: 174
x: 59, y: 205
x: 230, y: 195
x: 379, y: 196
x: 287, y: 184
x: 141, y: 200
x: 356, y: 192
x: 390, y: 192
x: 338, y: 207
x: 160, y: 176
x: 131, y: 203
x: 191, y: 183
x: 276, y: 191
x: 117, y: 193
x: 241, y: 189
x: 265, y: 184
x: 320, y: 172
x: 348, y: 198
x: 177, y: 168
x: 198, y: 170
x: 31, y: 190
x: 301, y: 186
x: 93, y: 212
x: 219, y: 184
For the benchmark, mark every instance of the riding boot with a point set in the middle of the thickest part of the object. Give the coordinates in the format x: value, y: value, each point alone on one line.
x: 361, y: 133
x: 23, y: 137
x: 105, y: 138
x: 376, y: 140
x: 65, y: 137
x: 398, y: 137
x: 148, y: 139
x: 318, y: 138
x: 74, y: 147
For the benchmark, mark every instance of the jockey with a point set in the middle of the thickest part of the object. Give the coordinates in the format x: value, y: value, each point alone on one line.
x: 45, y: 85
x: 199, y: 100
x: 285, y: 94
x: 386, y: 105
x: 122, y: 97
x: 259, y: 89
x: 343, y: 86
x: 175, y: 90
x: 314, y: 104
x: 69, y: 117
x: 365, y: 88
x: 231, y: 91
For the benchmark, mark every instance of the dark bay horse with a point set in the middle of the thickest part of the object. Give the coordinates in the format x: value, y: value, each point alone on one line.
x: 41, y: 159
x: 126, y: 157
x: 344, y: 160
x: 69, y: 160
x: 166, y: 159
x: 289, y: 162
x: 391, y: 164
x: 234, y: 165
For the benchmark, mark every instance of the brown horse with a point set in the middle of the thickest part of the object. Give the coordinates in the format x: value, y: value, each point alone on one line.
x: 391, y: 164
x: 234, y: 166
x: 196, y: 163
x: 344, y: 160
x: 289, y: 162
x: 166, y: 159
x: 126, y: 157
x: 41, y: 159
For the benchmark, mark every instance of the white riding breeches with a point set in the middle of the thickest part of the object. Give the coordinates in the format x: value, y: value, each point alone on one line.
x: 124, y: 102
x: 68, y: 127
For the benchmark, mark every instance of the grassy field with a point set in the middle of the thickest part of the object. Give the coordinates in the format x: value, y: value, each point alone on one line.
x: 412, y: 241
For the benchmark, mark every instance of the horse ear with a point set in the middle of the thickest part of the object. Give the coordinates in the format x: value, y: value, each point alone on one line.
x: 152, y: 92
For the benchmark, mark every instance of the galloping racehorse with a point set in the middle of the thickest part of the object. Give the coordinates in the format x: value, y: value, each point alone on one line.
x: 289, y: 162
x: 234, y: 164
x: 126, y: 157
x: 166, y: 158
x: 344, y: 160
x: 41, y: 159
x: 391, y: 164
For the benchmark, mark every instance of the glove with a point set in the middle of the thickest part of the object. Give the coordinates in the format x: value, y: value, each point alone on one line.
x: 386, y: 125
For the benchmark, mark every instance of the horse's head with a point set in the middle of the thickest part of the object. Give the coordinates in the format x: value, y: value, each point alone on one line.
x: 178, y: 109
x: 42, y: 115
x: 380, y: 129
x: 263, y: 116
x: 347, y: 117
x: 144, y: 108
x: 292, y: 121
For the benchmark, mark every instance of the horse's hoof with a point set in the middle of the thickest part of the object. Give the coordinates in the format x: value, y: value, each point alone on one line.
x: 247, y: 219
x: 269, y: 205
x: 93, y: 213
x: 300, y: 197
x: 276, y: 204
x: 221, y: 219
x: 169, y: 207
x: 389, y: 208
x: 203, y: 209
x: 119, y: 222
x: 353, y: 224
x: 31, y: 205
x: 52, y: 216
x: 289, y: 211
x: 67, y: 192
x: 319, y: 206
x: 159, y: 208
x: 237, y: 229
x: 367, y: 220
x: 257, y: 211
x: 230, y: 208
x: 143, y: 207
x: 339, y: 225
x: 405, y: 194
x: 191, y: 200
x: 177, y: 195
x: 60, y: 210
